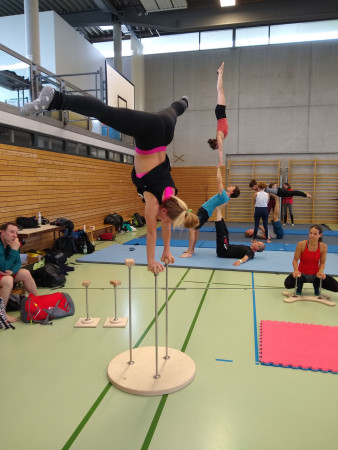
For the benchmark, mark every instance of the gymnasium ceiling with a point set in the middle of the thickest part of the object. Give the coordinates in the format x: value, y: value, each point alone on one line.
x: 160, y: 17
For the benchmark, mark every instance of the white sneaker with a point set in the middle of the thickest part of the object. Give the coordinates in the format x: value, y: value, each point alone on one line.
x: 40, y: 104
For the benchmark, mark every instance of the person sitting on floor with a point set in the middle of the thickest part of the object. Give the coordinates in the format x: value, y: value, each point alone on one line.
x: 10, y: 265
x: 226, y: 250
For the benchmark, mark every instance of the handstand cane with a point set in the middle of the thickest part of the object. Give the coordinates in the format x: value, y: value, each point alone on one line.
x: 129, y: 263
x: 166, y: 309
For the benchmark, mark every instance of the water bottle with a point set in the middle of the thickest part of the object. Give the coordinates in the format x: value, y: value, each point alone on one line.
x: 39, y: 218
x: 85, y: 248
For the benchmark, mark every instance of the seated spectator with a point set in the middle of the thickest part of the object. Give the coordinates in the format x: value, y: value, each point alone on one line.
x: 10, y: 265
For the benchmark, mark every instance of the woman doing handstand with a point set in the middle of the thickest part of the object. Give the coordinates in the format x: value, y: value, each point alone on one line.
x: 222, y: 121
x: 151, y: 171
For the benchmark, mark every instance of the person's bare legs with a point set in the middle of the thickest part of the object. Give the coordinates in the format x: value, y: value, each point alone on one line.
x: 193, y: 238
x: 6, y: 286
x: 275, y: 216
x: 220, y: 101
x: 220, y: 89
x: 25, y: 276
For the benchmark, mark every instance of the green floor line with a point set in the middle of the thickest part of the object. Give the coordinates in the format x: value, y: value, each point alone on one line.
x: 159, y: 312
x: 164, y: 398
x: 86, y: 418
x: 193, y: 323
x: 107, y: 388
x: 154, y: 423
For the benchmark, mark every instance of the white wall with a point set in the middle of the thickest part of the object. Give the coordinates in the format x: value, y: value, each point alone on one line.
x: 282, y: 100
x: 62, y: 49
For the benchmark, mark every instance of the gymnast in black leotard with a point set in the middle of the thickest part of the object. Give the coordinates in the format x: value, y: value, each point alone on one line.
x: 151, y: 171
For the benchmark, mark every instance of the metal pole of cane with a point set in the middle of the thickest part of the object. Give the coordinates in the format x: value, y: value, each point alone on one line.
x: 156, y: 328
x: 115, y: 301
x: 295, y: 293
x: 130, y: 263
x: 320, y: 288
x: 87, y: 308
x: 166, y: 309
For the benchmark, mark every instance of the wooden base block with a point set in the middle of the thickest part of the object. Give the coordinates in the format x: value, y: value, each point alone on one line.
x: 90, y: 323
x: 121, y: 322
x: 175, y: 373
x: 323, y: 299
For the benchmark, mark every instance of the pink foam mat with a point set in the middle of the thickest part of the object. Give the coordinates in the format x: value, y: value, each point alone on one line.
x: 299, y: 345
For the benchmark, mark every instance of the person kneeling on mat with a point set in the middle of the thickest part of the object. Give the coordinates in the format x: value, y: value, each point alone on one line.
x: 226, y: 250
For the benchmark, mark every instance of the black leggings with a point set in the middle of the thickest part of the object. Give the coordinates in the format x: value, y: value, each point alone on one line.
x: 222, y: 238
x: 329, y: 283
x: 261, y: 212
x: 149, y: 130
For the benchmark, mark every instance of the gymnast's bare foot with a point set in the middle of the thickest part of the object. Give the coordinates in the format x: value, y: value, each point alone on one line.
x: 308, y: 195
x: 186, y: 254
x: 12, y: 319
x: 268, y: 241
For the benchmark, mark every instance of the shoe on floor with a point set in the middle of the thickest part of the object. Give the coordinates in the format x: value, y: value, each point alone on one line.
x: 292, y: 224
x: 40, y: 104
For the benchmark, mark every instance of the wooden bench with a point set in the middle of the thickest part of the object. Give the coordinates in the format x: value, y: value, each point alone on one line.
x: 101, y: 228
x: 26, y: 233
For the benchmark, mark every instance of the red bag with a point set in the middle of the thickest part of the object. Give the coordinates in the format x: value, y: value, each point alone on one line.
x: 106, y: 237
x: 44, y: 308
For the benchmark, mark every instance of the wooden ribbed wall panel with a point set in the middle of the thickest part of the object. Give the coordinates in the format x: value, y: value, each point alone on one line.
x: 196, y: 184
x: 81, y: 189
x: 320, y: 178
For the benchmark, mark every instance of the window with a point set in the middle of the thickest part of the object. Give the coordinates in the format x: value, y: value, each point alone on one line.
x: 5, y: 135
x: 56, y: 145
x: 252, y: 36
x: 302, y: 32
x: 22, y: 138
x: 71, y: 147
x: 172, y: 43
x: 216, y: 39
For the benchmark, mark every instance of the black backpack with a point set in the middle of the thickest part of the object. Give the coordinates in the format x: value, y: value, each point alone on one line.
x: 114, y: 219
x: 81, y: 241
x: 50, y: 275
x: 138, y: 220
x: 66, y: 245
x: 27, y: 222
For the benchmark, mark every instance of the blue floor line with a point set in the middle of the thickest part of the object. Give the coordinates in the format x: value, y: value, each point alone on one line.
x: 255, y: 318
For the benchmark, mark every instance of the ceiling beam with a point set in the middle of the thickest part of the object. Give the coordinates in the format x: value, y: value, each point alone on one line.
x: 209, y: 18
x: 249, y: 14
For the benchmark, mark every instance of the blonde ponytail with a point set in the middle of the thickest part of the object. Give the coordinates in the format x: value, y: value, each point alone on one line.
x: 178, y: 212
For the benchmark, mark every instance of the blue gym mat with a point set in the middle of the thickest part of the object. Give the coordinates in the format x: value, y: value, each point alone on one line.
x: 204, y: 258
x: 286, y: 230
x: 276, y: 245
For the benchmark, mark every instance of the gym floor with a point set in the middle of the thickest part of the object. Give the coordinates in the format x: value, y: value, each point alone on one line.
x: 55, y: 393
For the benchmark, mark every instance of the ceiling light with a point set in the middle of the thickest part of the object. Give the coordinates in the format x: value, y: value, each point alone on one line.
x: 106, y: 27
x: 228, y: 2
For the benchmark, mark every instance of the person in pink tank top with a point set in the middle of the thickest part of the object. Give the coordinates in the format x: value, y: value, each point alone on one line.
x: 222, y: 121
x: 311, y: 255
